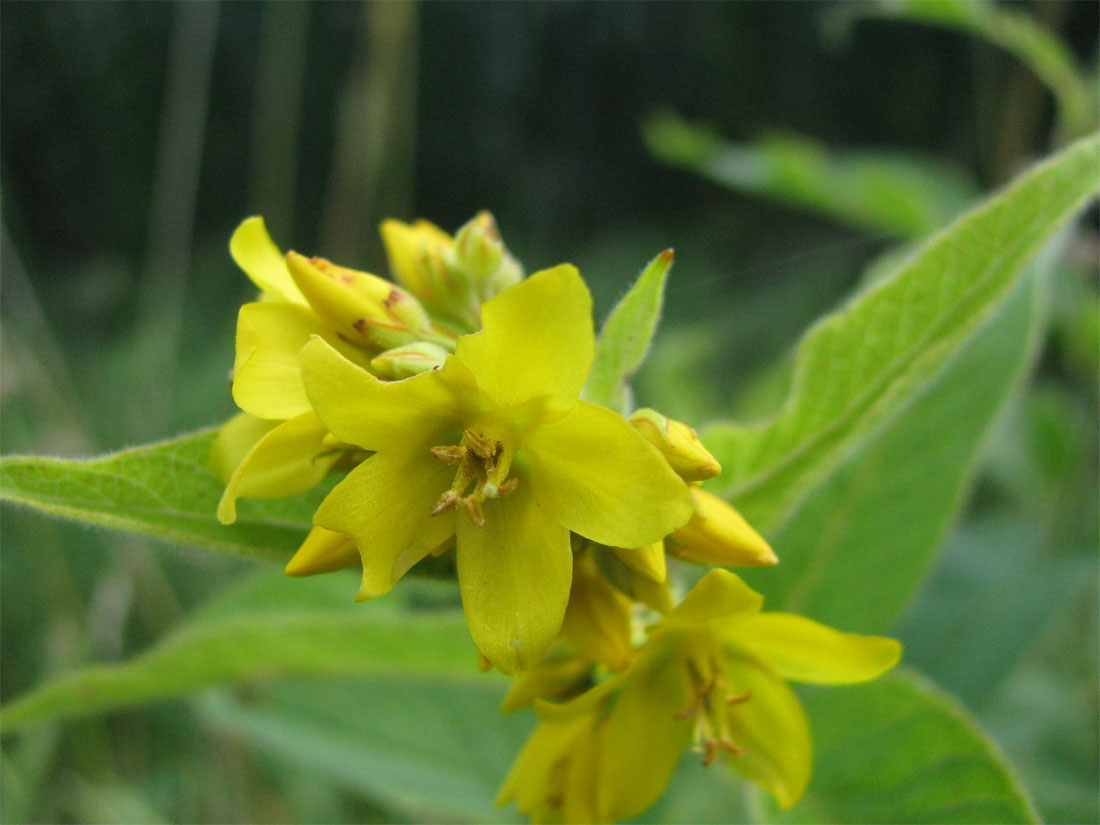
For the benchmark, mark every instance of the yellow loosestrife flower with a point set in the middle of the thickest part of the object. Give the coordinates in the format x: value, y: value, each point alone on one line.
x: 713, y: 671
x: 495, y: 449
x: 278, y: 447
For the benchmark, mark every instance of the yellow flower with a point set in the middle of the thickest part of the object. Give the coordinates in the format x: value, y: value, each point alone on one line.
x: 712, y: 671
x: 278, y: 447
x: 496, y: 449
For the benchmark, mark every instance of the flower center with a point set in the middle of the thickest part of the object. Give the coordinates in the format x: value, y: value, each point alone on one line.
x: 483, y: 466
x: 713, y: 697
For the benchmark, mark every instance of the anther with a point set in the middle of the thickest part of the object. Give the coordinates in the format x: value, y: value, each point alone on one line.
x: 448, y: 501
x: 737, y: 700
x: 452, y: 454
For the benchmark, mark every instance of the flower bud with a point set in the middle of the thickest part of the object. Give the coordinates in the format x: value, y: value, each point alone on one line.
x: 478, y: 248
x: 718, y: 534
x: 322, y: 552
x: 597, y: 618
x: 416, y: 254
x: 411, y: 359
x: 678, y: 443
x: 362, y: 308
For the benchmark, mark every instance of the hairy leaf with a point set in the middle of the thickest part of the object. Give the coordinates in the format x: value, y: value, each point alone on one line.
x: 626, y: 335
x: 862, y: 365
x: 165, y: 490
x: 855, y: 549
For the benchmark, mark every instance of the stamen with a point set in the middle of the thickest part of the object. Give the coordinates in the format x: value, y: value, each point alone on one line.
x: 479, y: 462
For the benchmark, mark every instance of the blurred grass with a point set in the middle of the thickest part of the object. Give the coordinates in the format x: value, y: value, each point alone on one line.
x: 123, y: 173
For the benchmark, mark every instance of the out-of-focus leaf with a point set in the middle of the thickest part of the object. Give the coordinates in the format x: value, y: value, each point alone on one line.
x: 281, y: 637
x: 997, y: 583
x: 900, y: 750
x: 626, y: 335
x: 1036, y: 47
x: 856, y: 548
x: 888, y: 192
x: 864, y: 364
x: 165, y: 490
x: 429, y: 750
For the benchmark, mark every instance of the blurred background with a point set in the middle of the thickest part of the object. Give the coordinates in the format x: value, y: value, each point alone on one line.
x: 136, y: 136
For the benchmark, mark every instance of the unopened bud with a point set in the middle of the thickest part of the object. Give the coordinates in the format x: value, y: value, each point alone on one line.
x: 678, y: 443
x: 597, y: 618
x: 478, y: 248
x: 411, y: 359
x: 362, y: 308
x: 334, y: 298
x: 322, y: 552
x: 415, y: 253
x: 718, y: 534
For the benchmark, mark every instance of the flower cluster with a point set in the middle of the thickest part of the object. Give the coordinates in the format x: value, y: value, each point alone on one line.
x: 451, y: 400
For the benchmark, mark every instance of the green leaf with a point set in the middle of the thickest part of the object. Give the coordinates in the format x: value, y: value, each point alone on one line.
x: 883, y: 192
x: 853, y: 552
x: 1033, y: 45
x: 165, y: 490
x: 431, y: 751
x: 861, y: 366
x: 274, y: 628
x: 900, y: 750
x: 626, y: 335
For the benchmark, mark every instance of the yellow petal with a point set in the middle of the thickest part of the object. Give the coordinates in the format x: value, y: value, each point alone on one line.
x: 718, y: 594
x: 236, y: 437
x: 255, y: 253
x: 602, y: 480
x: 597, y: 619
x: 537, y: 775
x: 384, y: 506
x: 718, y: 534
x: 359, y: 409
x: 514, y: 574
x: 803, y: 650
x: 772, y: 728
x: 267, y: 379
x: 644, y: 738
x: 322, y: 552
x: 537, y: 339
x: 288, y: 460
x: 581, y: 778
x: 647, y: 561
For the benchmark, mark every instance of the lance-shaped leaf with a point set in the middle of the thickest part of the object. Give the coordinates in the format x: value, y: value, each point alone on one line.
x: 856, y: 548
x: 895, y: 193
x: 268, y: 628
x: 862, y: 365
x: 165, y: 490
x: 626, y: 335
x: 900, y: 750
